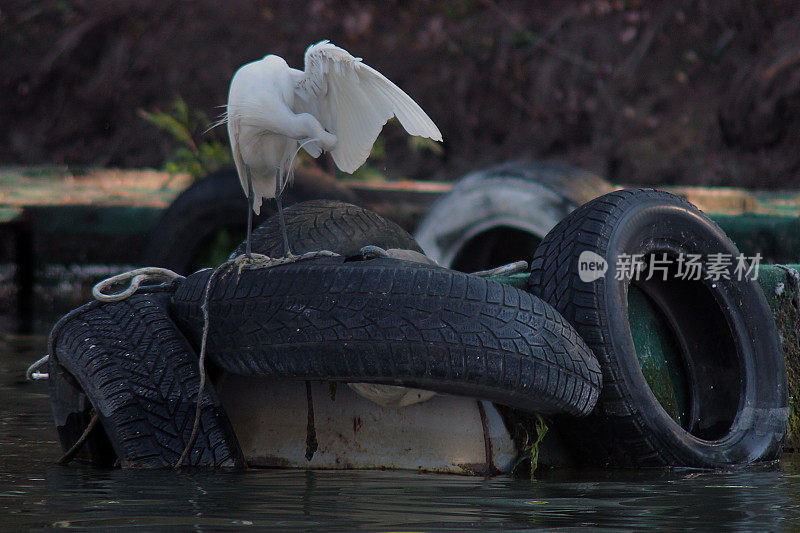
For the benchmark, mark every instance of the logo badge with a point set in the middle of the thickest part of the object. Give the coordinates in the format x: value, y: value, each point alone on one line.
x: 591, y: 266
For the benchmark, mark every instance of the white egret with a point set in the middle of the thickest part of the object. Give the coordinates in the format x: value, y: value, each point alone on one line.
x: 337, y: 104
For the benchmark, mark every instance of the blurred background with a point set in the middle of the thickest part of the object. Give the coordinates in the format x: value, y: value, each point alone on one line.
x: 681, y: 92
x: 107, y: 107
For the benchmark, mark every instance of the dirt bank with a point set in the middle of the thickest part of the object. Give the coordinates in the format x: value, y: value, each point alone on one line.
x: 704, y: 92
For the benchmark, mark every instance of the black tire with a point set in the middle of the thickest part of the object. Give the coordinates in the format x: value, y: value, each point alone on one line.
x: 215, y: 207
x: 328, y: 225
x: 727, y: 346
x: 393, y: 322
x: 128, y: 360
x: 72, y: 412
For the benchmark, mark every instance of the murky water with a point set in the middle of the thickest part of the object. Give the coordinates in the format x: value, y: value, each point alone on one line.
x: 37, y: 493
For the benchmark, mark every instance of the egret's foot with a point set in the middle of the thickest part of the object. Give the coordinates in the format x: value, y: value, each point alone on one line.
x: 243, y: 261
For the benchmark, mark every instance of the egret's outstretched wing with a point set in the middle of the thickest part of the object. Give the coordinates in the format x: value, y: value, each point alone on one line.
x: 354, y: 101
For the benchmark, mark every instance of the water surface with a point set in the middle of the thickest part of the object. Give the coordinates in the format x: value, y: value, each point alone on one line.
x: 36, y: 493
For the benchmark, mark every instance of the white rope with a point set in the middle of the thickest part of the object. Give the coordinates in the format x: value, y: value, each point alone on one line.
x: 32, y: 375
x: 252, y: 261
x: 259, y: 261
x: 504, y: 270
x: 136, y: 277
x: 371, y: 251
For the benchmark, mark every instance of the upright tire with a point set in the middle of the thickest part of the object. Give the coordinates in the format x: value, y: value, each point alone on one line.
x: 129, y: 362
x: 392, y: 322
x: 727, y: 354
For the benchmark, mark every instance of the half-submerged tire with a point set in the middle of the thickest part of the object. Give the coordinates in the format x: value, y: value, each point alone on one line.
x: 726, y: 359
x: 392, y: 322
x: 129, y: 362
x: 328, y: 225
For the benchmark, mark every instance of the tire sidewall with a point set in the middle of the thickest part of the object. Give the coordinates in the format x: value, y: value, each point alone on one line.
x: 756, y: 430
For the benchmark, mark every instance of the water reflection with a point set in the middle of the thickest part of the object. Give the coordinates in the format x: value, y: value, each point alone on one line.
x: 34, y: 492
x: 392, y: 500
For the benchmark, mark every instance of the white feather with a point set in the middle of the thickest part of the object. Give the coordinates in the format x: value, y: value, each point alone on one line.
x: 354, y: 101
x: 338, y: 101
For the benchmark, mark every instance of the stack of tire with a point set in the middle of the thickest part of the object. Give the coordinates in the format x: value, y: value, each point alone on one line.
x: 562, y: 348
x: 351, y: 318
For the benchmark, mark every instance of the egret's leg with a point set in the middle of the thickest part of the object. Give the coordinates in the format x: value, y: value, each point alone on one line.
x: 250, y: 201
x: 283, y: 227
x: 278, y: 190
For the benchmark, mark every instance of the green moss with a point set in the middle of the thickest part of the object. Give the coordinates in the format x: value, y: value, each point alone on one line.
x: 783, y: 296
x: 658, y: 355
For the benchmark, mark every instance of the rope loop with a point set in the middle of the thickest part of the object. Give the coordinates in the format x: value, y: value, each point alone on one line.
x: 136, y: 277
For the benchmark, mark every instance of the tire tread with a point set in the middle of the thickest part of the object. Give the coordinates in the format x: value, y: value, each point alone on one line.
x: 142, y: 377
x: 339, y: 326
